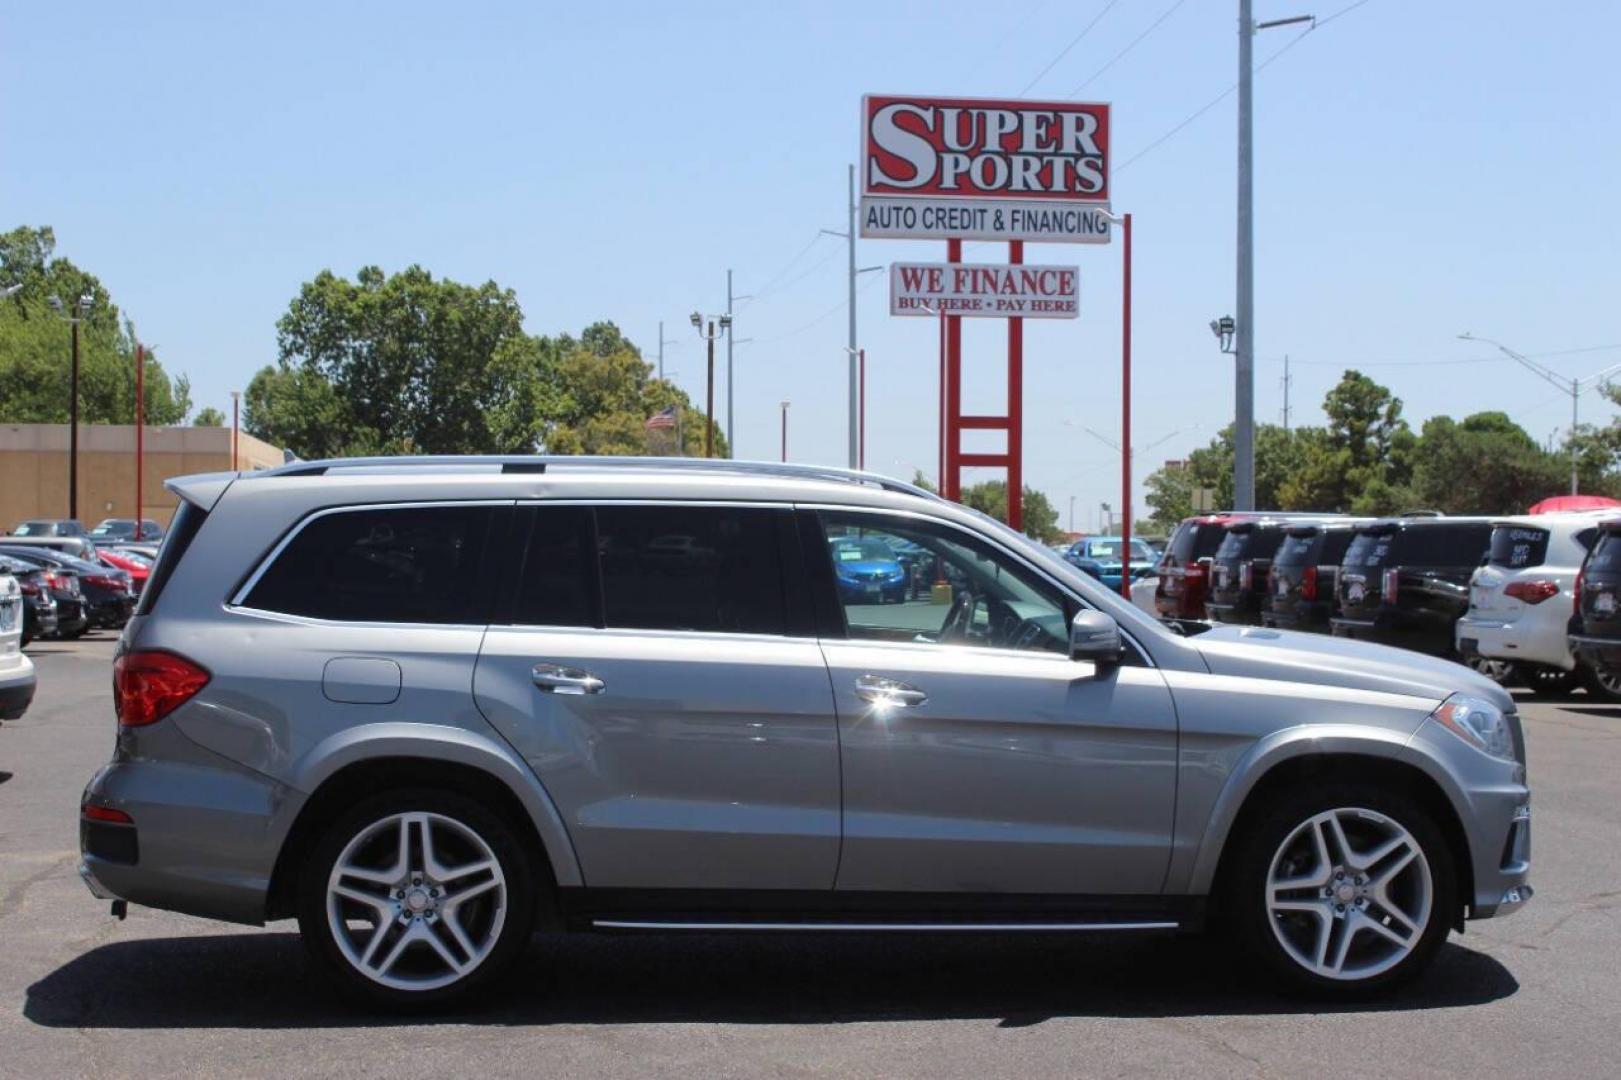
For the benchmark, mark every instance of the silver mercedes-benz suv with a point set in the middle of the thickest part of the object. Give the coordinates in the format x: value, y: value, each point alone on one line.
x: 429, y: 706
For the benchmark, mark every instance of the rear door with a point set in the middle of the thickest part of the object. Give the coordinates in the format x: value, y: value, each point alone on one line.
x: 1599, y: 602
x: 977, y: 756
x: 670, y: 694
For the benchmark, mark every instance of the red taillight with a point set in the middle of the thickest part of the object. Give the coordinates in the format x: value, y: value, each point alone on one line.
x: 1392, y: 586
x: 29, y: 588
x: 149, y: 685
x: 104, y: 581
x: 1532, y: 592
x: 56, y: 581
x: 92, y: 812
x: 1308, y: 583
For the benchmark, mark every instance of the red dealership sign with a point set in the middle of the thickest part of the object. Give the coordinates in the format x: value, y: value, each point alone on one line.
x: 981, y: 148
x: 993, y: 291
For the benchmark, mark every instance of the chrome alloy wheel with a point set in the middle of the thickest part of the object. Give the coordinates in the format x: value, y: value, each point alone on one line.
x: 416, y: 901
x: 1349, y: 894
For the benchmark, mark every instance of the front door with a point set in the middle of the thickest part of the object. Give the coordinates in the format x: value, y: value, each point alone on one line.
x: 977, y: 756
x: 656, y: 674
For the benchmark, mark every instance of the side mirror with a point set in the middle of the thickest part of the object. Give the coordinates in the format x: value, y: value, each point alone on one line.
x: 1095, y: 637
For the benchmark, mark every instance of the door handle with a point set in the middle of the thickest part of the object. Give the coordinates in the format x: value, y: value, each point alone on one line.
x: 559, y: 679
x: 885, y: 691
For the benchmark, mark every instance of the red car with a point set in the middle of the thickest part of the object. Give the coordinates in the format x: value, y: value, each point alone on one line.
x: 138, y: 566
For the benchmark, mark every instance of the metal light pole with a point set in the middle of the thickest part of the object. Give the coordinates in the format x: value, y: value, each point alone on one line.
x: 785, y: 405
x: 1573, y: 387
x: 709, y: 335
x: 849, y: 236
x: 80, y: 310
x: 663, y: 341
x: 1244, y: 336
x: 236, y: 426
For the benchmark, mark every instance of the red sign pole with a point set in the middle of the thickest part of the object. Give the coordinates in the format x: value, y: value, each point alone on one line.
x: 1125, y: 407
x: 1015, y: 406
x: 940, y: 476
x: 952, y: 489
x: 140, y: 431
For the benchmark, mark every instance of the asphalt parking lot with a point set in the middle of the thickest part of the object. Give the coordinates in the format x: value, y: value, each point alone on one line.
x: 1537, y: 994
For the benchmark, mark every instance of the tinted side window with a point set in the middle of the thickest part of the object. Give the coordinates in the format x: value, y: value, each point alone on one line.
x: 1369, y: 549
x: 708, y: 568
x: 1443, y: 545
x: 559, y: 586
x: 410, y: 565
x: 1234, y: 545
x: 1516, y: 547
x: 1335, y: 541
x: 187, y: 520
x: 1298, y: 550
x: 1606, y: 557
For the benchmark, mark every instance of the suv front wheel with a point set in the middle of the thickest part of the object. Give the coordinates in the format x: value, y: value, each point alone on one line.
x: 1343, y: 888
x: 416, y: 896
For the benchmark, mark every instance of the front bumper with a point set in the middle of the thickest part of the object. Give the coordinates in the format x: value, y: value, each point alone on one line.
x: 1493, y: 804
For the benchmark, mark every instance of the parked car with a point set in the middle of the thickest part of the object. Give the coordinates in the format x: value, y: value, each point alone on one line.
x: 62, y: 585
x: 79, y: 547
x: 1239, y: 569
x: 39, y: 605
x: 1405, y: 581
x: 48, y: 527
x: 16, y: 669
x: 108, y: 595
x: 111, y: 529
x: 470, y: 717
x: 1107, y: 554
x: 867, y: 571
x: 136, y: 565
x: 1303, y: 578
x: 1520, y: 600
x: 1595, y: 630
x: 1184, y: 569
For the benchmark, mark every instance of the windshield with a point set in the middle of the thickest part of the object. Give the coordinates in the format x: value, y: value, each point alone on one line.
x: 1369, y: 549
x: 1515, y: 547
x: 1110, y: 549
x: 32, y: 528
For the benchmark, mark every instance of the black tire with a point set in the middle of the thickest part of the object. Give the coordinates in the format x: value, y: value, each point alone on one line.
x: 1501, y: 672
x: 517, y: 918
x: 1546, y: 681
x: 1243, y: 901
x: 1595, y: 686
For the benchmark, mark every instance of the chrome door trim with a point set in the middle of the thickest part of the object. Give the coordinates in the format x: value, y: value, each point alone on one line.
x: 1036, y: 927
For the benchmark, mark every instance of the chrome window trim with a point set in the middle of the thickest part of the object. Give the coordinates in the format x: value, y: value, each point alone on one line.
x: 996, y: 543
x: 237, y: 600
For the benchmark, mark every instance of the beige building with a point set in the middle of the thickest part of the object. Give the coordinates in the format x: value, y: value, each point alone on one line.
x: 34, y: 468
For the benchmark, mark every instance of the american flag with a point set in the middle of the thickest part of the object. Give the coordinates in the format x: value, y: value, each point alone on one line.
x: 664, y: 418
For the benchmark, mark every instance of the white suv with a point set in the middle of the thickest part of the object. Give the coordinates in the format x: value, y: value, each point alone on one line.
x: 16, y: 670
x: 1520, y: 601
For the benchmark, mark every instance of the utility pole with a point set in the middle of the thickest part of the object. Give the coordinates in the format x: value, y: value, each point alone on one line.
x: 1244, y: 336
x: 709, y: 336
x: 661, y: 350
x: 731, y: 441
x: 74, y: 316
x: 785, y: 405
x: 1286, y: 392
x: 236, y: 426
x: 855, y: 451
x: 1244, y: 331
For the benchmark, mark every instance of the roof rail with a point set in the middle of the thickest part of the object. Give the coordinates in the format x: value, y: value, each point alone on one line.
x: 540, y: 463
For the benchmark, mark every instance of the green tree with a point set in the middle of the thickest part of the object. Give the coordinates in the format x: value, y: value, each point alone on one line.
x: 1362, y: 461
x: 1279, y: 454
x: 1040, y: 517
x: 403, y: 364
x: 1483, y: 464
x: 209, y: 417
x: 36, y: 350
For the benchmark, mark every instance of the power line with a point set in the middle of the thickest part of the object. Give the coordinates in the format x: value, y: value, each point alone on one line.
x: 824, y: 316
x: 1133, y: 44
x: 1450, y: 362
x: 1225, y: 94
x: 1076, y: 40
x: 780, y: 274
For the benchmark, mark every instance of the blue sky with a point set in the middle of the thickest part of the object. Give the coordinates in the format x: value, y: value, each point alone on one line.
x: 1422, y: 169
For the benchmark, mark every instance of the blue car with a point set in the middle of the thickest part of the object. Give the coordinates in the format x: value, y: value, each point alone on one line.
x: 868, y: 571
x: 1100, y: 557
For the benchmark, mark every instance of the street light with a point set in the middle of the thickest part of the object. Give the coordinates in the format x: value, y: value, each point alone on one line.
x: 80, y: 310
x: 706, y: 328
x: 1573, y: 387
x: 1223, y: 328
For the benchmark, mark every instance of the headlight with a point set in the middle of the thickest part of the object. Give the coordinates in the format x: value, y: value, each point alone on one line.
x: 1479, y: 723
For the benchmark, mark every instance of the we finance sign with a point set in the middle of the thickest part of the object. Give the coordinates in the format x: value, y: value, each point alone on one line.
x: 984, y: 169
x: 987, y: 291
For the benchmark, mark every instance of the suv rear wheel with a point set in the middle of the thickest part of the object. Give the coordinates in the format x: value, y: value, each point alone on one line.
x: 416, y: 896
x: 1343, y: 889
x: 1605, y: 686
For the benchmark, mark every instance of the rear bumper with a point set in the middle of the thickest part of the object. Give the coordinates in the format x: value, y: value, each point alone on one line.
x: 1529, y: 638
x: 203, y: 842
x: 17, y: 689
x: 1237, y: 612
x: 1309, y: 617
